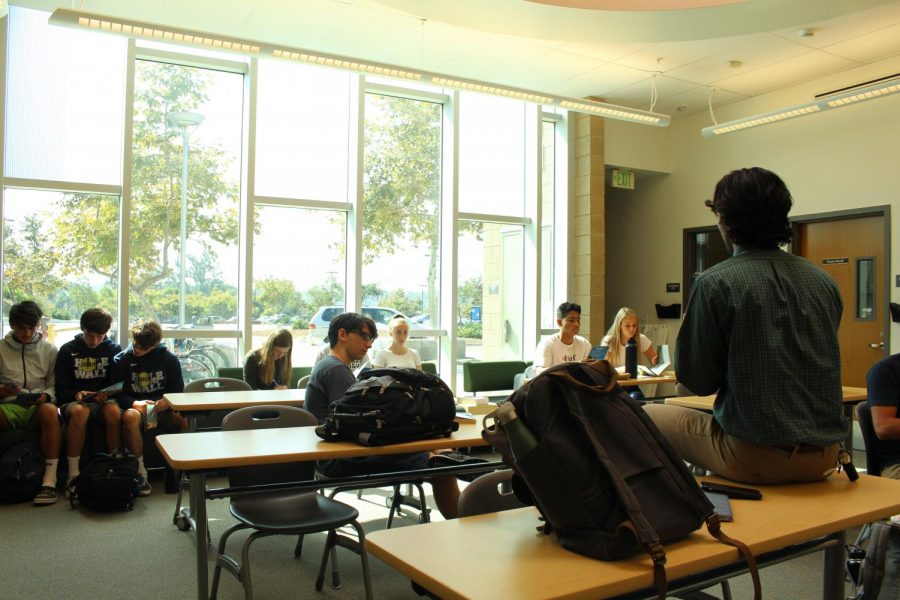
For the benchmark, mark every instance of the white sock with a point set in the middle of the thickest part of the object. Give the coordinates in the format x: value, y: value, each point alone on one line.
x: 50, y: 472
x: 73, y: 466
x: 142, y: 470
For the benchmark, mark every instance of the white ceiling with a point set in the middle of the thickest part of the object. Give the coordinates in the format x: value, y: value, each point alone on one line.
x: 563, y: 51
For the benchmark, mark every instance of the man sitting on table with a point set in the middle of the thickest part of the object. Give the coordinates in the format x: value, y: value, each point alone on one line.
x: 148, y: 371
x: 761, y: 329
x: 350, y: 335
x: 565, y: 346
x: 883, y: 383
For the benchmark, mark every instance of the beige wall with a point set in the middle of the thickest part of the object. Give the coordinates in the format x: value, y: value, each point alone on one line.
x: 836, y: 160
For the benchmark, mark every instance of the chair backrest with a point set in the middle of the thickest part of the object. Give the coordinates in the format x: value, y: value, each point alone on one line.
x: 269, y: 417
x: 297, y: 373
x: 487, y: 376
x: 231, y: 372
x: 488, y: 494
x: 864, y: 415
x: 429, y: 367
x: 217, y: 384
x: 301, y: 383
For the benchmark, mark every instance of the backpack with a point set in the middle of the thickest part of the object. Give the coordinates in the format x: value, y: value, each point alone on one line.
x: 389, y: 406
x: 21, y: 472
x: 107, y: 483
x: 867, y: 567
x: 604, y: 478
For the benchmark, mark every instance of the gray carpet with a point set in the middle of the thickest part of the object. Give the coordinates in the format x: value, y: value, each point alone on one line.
x: 57, y: 552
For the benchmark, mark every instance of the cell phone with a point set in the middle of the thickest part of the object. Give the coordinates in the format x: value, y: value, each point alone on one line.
x: 732, y: 491
x: 27, y: 397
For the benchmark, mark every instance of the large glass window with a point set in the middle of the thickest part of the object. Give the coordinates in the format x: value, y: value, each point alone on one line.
x: 186, y: 182
x: 300, y: 289
x: 302, y: 131
x: 548, y: 209
x: 491, y: 155
x: 65, y: 102
x: 60, y: 250
x: 490, y: 292
x: 401, y: 224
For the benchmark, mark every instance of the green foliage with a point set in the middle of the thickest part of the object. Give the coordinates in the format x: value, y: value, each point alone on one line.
x: 300, y: 323
x: 472, y: 329
x: 399, y: 300
x: 469, y: 293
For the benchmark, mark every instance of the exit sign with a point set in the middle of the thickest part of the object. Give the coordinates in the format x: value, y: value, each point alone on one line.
x: 623, y: 179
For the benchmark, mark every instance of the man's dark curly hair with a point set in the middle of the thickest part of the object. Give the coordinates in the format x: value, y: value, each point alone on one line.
x: 753, y: 205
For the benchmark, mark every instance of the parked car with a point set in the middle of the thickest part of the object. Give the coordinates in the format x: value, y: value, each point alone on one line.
x: 318, y: 325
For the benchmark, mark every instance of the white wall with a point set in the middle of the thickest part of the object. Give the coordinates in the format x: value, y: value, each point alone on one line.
x: 836, y: 160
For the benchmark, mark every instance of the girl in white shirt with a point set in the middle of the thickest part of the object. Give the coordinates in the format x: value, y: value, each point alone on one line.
x: 397, y: 354
x: 624, y: 327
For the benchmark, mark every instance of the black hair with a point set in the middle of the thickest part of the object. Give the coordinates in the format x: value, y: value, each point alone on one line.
x: 350, y: 322
x: 25, y: 314
x: 96, y: 320
x: 565, y: 308
x: 753, y: 206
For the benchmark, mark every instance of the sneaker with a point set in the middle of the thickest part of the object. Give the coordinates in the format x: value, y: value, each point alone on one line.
x: 46, y: 495
x: 144, y: 489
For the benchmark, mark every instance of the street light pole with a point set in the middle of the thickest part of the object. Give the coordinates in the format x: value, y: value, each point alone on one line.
x: 184, y: 120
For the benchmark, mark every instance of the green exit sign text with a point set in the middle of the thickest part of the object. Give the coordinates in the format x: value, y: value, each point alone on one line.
x: 623, y: 179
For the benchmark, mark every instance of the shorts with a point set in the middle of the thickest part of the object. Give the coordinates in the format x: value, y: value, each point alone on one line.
x: 369, y: 465
x: 20, y: 417
x: 95, y: 408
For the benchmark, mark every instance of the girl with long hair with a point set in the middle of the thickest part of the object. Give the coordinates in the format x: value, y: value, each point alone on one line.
x: 269, y: 367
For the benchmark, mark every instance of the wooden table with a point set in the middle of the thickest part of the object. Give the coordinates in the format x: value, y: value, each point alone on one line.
x: 206, y: 401
x: 509, y: 559
x: 198, y: 453
x: 666, y: 377
x: 852, y: 396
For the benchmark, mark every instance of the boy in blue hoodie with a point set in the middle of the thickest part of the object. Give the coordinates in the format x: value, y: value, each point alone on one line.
x: 84, y: 367
x: 148, y: 371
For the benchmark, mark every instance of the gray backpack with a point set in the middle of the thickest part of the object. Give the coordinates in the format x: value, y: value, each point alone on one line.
x: 867, y: 567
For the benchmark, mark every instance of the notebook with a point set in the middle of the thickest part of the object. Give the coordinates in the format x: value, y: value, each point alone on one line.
x: 661, y: 365
x: 598, y: 352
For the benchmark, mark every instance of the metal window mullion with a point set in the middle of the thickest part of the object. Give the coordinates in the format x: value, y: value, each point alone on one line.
x: 449, y: 237
x: 192, y: 60
x: 62, y: 186
x: 564, y: 217
x: 490, y: 218
x: 247, y: 203
x: 4, y: 55
x: 302, y: 203
x: 383, y: 89
x: 353, y: 273
x: 531, y: 278
x: 221, y: 334
x: 127, y: 195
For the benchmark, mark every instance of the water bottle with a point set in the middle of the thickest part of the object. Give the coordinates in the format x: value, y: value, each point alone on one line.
x: 151, y: 416
x: 631, y: 358
x: 521, y: 440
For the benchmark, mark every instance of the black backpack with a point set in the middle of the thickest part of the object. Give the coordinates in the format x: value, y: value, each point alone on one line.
x: 106, y: 483
x: 21, y: 472
x: 389, y: 406
x: 603, y: 477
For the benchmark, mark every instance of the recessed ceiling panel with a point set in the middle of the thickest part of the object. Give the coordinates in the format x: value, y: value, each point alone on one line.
x: 601, y: 81
x: 871, y: 47
x: 784, y: 73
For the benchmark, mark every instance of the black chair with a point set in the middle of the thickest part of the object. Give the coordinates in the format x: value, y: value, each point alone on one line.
x: 283, y: 512
x: 488, y: 494
x: 867, y: 428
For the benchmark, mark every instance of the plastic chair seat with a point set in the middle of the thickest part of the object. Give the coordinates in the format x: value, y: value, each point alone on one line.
x: 282, y: 512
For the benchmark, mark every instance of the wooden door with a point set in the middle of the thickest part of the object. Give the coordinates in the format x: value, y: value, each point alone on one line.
x: 852, y: 251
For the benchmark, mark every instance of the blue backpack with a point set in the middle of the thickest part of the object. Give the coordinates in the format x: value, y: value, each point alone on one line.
x: 21, y: 472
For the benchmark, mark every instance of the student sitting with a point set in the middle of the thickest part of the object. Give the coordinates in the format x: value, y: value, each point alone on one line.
x: 397, y: 354
x: 269, y: 367
x: 565, y: 346
x: 27, y: 389
x: 624, y: 327
x: 148, y: 371
x: 84, y: 367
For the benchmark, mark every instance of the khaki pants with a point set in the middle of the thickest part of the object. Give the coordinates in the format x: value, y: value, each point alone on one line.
x: 699, y: 439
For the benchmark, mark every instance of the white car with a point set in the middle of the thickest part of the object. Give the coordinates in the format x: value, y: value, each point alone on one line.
x: 318, y: 325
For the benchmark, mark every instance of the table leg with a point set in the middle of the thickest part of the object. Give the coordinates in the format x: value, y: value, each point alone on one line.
x: 833, y: 569
x: 198, y: 503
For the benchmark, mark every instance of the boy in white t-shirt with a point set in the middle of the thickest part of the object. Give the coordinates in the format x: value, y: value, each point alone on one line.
x: 565, y: 346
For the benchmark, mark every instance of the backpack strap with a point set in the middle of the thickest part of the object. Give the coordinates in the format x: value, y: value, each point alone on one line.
x: 714, y: 525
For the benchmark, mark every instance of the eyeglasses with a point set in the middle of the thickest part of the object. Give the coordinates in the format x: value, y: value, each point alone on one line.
x: 365, y: 336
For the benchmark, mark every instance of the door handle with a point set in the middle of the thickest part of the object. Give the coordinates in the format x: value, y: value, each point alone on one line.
x: 878, y: 346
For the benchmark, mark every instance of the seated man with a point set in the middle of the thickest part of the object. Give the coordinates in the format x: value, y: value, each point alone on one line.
x: 883, y: 383
x: 350, y: 335
x: 760, y: 331
x: 84, y: 367
x: 148, y: 371
x: 565, y: 346
x: 27, y: 389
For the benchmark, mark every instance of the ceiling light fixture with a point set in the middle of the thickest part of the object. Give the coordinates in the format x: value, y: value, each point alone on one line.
x: 868, y: 90
x: 115, y: 25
